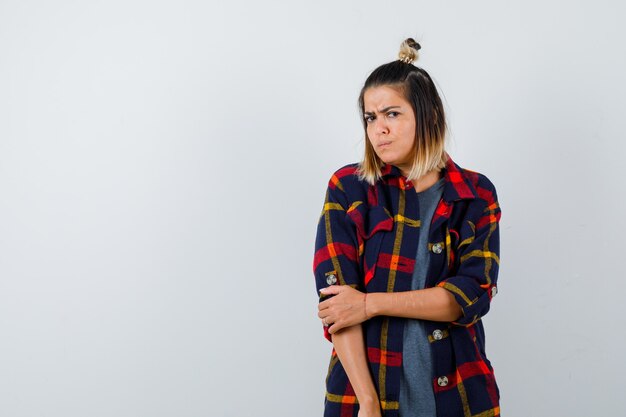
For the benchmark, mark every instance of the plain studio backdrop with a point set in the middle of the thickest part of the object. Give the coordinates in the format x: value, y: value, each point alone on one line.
x: 163, y: 166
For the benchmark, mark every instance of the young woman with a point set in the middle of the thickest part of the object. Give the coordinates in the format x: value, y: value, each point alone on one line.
x: 406, y: 262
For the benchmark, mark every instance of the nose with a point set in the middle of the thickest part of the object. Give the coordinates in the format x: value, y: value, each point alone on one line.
x: 380, y: 126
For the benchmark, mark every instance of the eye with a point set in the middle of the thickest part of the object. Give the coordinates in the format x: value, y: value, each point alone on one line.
x: 393, y: 114
x: 369, y: 119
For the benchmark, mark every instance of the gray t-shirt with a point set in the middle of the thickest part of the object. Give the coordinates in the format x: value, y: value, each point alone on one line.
x: 416, y: 392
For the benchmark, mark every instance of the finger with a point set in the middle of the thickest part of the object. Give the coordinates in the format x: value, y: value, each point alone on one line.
x: 334, y: 327
x: 331, y: 289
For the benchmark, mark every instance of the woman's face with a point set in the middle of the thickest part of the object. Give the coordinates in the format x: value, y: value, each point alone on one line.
x: 390, y: 126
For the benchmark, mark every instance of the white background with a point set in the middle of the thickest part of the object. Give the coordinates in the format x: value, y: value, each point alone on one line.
x: 163, y: 166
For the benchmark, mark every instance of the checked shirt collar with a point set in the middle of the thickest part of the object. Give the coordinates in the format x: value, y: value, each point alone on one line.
x: 456, y: 185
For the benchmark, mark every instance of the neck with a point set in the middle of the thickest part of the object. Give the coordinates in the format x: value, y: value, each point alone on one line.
x: 425, y: 181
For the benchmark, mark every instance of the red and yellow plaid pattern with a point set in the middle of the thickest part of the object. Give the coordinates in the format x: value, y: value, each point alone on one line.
x: 367, y: 238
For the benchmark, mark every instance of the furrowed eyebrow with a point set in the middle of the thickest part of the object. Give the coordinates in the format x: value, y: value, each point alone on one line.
x: 369, y: 113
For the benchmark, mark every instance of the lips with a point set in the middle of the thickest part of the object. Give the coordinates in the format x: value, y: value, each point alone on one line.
x: 384, y: 144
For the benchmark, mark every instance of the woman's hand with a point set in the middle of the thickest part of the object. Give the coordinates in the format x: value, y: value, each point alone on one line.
x: 345, y: 309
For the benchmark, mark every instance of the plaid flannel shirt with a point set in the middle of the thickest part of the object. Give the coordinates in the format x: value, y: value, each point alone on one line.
x: 367, y: 238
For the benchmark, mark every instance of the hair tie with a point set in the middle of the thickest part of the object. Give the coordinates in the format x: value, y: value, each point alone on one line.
x: 408, y: 51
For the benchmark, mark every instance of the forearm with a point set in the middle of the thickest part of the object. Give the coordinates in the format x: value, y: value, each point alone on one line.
x: 436, y: 304
x: 350, y: 347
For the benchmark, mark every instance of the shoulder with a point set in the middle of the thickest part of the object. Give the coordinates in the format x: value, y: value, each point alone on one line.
x: 345, y: 185
x: 346, y: 178
x: 480, y: 181
x: 483, y: 189
x: 467, y: 184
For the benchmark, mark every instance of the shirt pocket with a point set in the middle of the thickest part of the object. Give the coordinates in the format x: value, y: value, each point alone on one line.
x: 371, y: 224
x: 460, y: 238
x: 467, y: 234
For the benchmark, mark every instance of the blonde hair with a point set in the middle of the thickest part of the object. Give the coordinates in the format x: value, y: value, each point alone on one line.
x: 419, y: 90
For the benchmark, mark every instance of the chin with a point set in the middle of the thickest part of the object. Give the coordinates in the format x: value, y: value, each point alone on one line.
x: 389, y: 161
x: 386, y: 159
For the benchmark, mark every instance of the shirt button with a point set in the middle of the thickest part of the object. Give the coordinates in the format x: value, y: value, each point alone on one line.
x: 437, y: 334
x: 442, y: 381
x: 494, y: 291
x: 331, y: 279
x: 437, y: 248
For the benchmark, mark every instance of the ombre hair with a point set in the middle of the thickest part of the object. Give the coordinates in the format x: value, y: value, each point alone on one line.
x: 430, y: 123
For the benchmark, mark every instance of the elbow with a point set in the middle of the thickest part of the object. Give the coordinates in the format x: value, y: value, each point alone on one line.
x: 472, y: 300
x: 470, y: 315
x: 455, y: 311
x: 451, y: 310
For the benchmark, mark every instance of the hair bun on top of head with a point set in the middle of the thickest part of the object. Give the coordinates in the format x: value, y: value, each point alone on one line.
x: 408, y: 51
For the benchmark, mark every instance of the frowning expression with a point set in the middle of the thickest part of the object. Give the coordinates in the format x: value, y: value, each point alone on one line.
x: 390, y: 125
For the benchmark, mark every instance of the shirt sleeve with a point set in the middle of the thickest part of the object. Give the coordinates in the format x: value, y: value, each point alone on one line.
x: 474, y: 285
x: 336, y: 260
